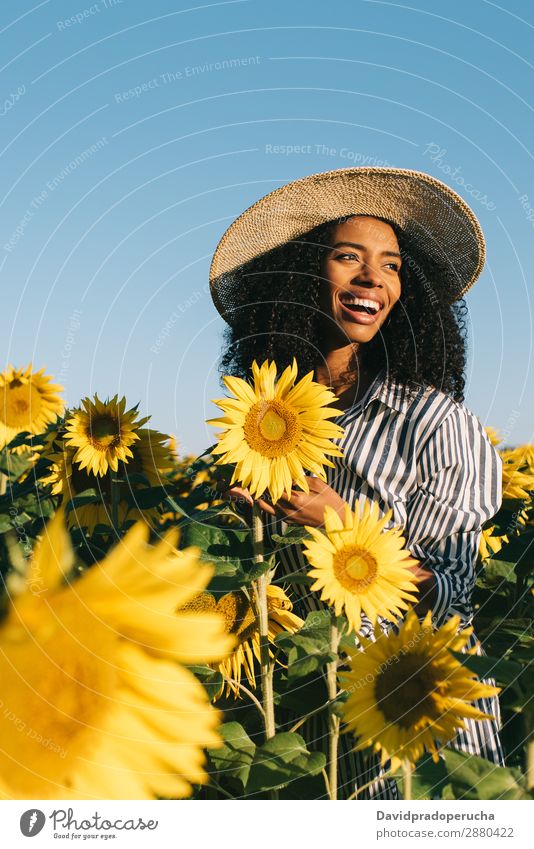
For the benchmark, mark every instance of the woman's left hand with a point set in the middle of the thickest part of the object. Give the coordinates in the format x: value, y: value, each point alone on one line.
x: 306, y: 509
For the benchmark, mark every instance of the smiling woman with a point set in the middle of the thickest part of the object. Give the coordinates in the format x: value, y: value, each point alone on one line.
x: 359, y: 275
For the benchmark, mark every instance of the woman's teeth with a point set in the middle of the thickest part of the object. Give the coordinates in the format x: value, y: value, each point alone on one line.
x: 352, y: 303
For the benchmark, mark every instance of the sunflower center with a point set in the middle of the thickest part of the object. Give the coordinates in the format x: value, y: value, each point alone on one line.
x: 272, y: 428
x: 239, y: 616
x: 405, y: 691
x: 21, y: 405
x: 104, y: 432
x: 355, y: 568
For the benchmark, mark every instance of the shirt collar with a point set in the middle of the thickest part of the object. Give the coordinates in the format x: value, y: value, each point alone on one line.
x: 386, y: 391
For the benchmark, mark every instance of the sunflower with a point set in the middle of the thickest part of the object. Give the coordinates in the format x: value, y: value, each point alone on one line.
x: 517, y: 478
x: 490, y: 544
x: 103, y: 433
x: 493, y: 436
x: 407, y: 692
x: 240, y: 618
x: 28, y: 402
x: 149, y: 458
x: 97, y: 703
x: 359, y: 566
x: 275, y: 430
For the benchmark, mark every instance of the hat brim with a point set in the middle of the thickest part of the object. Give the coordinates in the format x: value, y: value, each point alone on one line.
x: 433, y: 218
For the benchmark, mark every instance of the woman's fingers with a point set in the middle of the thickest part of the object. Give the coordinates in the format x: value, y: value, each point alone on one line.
x: 237, y: 493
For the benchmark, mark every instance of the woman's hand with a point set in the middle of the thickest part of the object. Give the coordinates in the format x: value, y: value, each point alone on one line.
x: 302, y: 508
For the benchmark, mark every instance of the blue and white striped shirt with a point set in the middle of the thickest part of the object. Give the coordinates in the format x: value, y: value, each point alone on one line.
x: 429, y: 460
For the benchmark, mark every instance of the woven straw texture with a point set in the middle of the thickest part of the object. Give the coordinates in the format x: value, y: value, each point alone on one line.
x: 435, y: 219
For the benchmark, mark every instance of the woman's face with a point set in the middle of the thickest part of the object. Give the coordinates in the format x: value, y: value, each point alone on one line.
x: 361, y: 275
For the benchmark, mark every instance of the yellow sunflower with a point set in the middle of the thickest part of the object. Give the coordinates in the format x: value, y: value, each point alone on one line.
x: 96, y: 701
x: 149, y: 458
x: 359, y: 566
x: 407, y: 692
x: 103, y: 433
x: 523, y: 454
x: 517, y: 478
x: 493, y: 436
x: 241, y: 621
x: 275, y: 430
x: 28, y: 402
x: 490, y: 544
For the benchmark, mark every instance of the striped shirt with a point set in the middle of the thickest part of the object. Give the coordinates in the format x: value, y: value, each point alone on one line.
x: 428, y: 459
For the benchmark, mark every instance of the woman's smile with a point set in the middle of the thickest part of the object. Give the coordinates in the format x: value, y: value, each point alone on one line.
x: 361, y: 270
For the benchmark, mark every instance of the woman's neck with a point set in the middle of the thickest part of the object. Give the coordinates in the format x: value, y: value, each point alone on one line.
x: 342, y: 370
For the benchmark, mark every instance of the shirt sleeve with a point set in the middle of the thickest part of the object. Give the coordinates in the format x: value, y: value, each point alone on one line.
x: 459, y: 487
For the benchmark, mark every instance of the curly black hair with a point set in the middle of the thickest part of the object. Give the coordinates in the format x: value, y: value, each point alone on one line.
x: 276, y: 313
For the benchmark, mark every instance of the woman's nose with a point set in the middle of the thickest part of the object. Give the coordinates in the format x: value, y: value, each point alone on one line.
x: 368, y: 274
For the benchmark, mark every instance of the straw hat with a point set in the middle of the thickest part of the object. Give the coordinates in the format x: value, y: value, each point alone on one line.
x: 433, y: 218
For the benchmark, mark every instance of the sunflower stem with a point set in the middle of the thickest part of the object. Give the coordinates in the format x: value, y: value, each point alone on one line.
x: 529, y: 753
x: 260, y: 591
x: 406, y: 769
x: 333, y: 718
x: 368, y: 784
x: 115, y: 497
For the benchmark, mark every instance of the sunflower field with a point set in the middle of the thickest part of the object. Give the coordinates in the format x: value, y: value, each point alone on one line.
x: 150, y: 646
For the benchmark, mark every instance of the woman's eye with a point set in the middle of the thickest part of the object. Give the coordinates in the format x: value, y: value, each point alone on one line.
x: 346, y: 256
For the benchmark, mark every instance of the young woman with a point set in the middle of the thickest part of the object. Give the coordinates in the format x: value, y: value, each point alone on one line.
x: 359, y: 274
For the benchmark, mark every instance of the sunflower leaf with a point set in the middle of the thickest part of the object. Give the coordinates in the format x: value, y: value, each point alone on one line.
x: 496, y: 571
x: 211, y: 679
x: 295, y: 534
x: 472, y: 777
x: 88, y: 496
x: 144, y: 499
x: 429, y: 779
x: 281, y: 760
x: 234, y: 758
x: 308, y: 649
x: 506, y: 672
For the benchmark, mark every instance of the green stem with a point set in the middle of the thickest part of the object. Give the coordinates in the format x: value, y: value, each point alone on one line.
x: 115, y: 498
x: 369, y: 783
x: 260, y: 591
x: 406, y: 769
x: 247, y: 692
x: 333, y: 718
x: 307, y: 716
x: 529, y: 749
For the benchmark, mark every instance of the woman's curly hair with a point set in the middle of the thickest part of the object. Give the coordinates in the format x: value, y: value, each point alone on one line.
x: 274, y: 304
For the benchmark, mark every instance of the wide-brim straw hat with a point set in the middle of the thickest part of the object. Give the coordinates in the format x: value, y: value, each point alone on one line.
x: 433, y: 218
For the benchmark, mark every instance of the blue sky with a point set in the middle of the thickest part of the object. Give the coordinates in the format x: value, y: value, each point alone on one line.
x: 132, y: 135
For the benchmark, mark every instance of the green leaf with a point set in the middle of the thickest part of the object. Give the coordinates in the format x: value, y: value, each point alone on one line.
x: 309, y: 649
x: 13, y: 465
x: 504, y: 671
x: 281, y: 760
x: 144, y: 499
x: 295, y: 534
x: 210, y: 679
x: 429, y: 779
x: 496, y: 571
x: 472, y: 777
x: 234, y: 758
x: 229, y: 549
x: 88, y: 496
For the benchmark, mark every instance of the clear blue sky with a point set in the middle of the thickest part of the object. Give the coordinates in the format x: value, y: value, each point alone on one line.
x: 132, y: 134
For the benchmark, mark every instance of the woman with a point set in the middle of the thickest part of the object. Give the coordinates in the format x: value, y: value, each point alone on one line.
x: 358, y: 274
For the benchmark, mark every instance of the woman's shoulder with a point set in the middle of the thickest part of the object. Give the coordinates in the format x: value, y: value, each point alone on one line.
x: 431, y: 410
